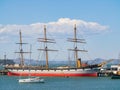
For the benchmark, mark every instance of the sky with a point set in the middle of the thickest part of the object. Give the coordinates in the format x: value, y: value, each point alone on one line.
x: 97, y: 21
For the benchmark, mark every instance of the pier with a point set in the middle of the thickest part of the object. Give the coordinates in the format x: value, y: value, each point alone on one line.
x: 3, y: 72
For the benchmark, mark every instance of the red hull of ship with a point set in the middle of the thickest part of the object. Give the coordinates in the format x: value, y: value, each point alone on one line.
x: 55, y: 74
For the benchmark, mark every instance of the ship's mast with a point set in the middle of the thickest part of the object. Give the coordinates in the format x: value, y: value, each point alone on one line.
x: 76, y: 50
x: 5, y: 58
x: 46, y: 40
x: 46, y: 50
x: 75, y: 45
x: 21, y: 50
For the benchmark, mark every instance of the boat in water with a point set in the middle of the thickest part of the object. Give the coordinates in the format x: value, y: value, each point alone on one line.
x: 76, y: 71
x: 31, y: 80
x: 115, y: 77
x: 116, y: 72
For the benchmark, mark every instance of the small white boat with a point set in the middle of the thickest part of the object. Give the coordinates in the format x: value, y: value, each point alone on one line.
x: 32, y: 80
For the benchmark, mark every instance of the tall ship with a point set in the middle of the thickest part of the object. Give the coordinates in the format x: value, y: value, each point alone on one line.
x: 76, y: 71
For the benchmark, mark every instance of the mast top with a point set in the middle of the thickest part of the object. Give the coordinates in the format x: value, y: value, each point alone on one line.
x: 75, y: 39
x: 45, y: 39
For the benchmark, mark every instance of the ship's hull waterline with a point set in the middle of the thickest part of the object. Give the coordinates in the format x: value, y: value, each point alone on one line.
x: 54, y: 73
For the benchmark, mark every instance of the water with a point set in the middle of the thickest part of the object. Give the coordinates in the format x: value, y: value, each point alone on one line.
x: 61, y: 83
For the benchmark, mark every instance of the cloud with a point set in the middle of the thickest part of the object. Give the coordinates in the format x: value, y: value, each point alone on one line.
x: 62, y: 26
x: 66, y: 25
x: 4, y: 39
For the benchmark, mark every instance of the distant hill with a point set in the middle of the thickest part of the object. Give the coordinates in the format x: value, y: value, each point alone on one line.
x: 42, y: 62
x: 95, y: 61
x: 8, y: 61
x: 66, y: 62
x: 63, y: 62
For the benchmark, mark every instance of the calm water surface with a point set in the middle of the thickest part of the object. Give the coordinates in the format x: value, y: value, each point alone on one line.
x: 61, y: 83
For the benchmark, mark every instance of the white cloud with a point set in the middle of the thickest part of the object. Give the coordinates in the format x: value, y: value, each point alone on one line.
x: 4, y: 39
x: 62, y: 26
